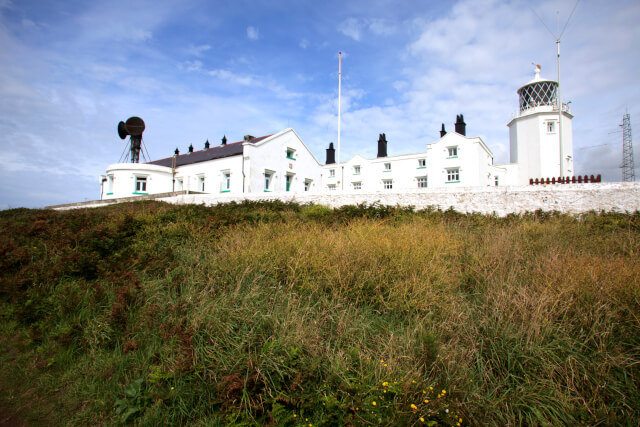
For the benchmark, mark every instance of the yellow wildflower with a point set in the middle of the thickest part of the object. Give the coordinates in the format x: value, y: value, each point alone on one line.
x: 373, y: 403
x: 460, y: 420
x: 385, y: 391
x: 294, y: 415
x: 426, y: 401
x: 413, y: 381
x: 385, y: 365
x: 385, y: 384
x: 444, y: 391
x: 430, y: 388
x: 421, y: 419
x: 414, y: 407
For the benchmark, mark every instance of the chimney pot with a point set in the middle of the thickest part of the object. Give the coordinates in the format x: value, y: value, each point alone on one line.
x: 331, y: 155
x: 224, y: 140
x: 382, y: 145
x: 177, y: 152
x: 191, y: 148
x: 442, y: 131
x: 461, y: 126
x: 207, y: 145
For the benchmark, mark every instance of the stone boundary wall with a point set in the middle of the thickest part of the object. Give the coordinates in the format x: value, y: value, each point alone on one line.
x: 567, y: 198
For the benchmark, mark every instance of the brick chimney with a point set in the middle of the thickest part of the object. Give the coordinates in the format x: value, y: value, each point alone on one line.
x: 331, y: 155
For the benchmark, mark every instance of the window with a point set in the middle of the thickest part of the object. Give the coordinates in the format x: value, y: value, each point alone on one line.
x: 225, y: 185
x: 357, y: 186
x: 332, y: 172
x: 496, y: 181
x: 422, y: 163
x: 422, y: 182
x: 453, y: 175
x: 110, y: 184
x: 356, y: 170
x: 307, y: 184
x: 453, y: 151
x: 551, y: 127
x: 387, y: 167
x: 291, y: 153
x: 141, y: 184
x: 179, y: 184
x: 332, y: 187
x: 387, y: 184
x: 268, y: 180
x: 289, y: 180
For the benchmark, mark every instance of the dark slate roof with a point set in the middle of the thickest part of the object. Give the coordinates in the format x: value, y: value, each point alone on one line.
x: 217, y: 152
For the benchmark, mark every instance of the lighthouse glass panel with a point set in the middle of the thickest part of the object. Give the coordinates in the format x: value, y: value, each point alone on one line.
x: 538, y: 94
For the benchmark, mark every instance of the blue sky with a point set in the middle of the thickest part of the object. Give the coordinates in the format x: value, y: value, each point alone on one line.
x: 198, y: 70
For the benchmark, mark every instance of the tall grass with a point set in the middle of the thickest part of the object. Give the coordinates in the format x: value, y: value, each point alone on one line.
x: 274, y: 313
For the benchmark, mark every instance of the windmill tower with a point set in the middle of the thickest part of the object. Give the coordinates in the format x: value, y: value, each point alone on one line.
x: 535, y: 133
x: 628, y: 168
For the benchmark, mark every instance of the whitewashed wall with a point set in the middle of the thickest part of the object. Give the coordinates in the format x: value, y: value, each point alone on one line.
x: 123, y: 176
x: 569, y: 198
x: 271, y: 154
x: 211, y: 171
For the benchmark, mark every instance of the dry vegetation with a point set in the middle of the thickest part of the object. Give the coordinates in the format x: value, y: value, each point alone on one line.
x: 279, y: 314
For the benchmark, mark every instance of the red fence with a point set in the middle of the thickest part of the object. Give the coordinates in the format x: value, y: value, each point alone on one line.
x: 566, y: 180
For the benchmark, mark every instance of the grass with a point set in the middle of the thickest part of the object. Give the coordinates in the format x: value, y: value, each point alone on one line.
x: 280, y: 314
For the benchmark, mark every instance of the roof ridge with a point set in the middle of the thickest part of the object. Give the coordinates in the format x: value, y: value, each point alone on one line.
x: 212, y: 148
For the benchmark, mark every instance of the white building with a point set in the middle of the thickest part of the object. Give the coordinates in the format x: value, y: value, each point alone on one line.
x: 282, y: 163
x: 273, y: 163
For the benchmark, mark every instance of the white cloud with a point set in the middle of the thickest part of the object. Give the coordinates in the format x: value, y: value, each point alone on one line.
x: 355, y: 27
x: 192, y: 66
x: 382, y: 27
x: 304, y: 43
x: 239, y: 79
x: 198, y: 50
x: 351, y: 27
x: 253, y: 33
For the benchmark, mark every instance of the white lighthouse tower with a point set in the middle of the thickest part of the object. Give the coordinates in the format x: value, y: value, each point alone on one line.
x: 536, y: 143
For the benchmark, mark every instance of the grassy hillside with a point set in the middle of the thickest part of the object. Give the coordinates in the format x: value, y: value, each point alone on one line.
x: 279, y: 314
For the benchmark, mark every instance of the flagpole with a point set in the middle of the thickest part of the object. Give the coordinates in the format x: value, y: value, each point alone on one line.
x: 339, y: 94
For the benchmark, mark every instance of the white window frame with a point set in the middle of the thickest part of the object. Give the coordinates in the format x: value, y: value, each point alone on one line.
x: 290, y: 153
x: 497, y: 181
x: 307, y: 184
x: 141, y: 184
x: 225, y: 184
x: 387, y: 184
x: 109, y: 184
x: 332, y: 173
x: 179, y: 184
x: 452, y: 152
x: 387, y: 167
x: 422, y: 163
x: 201, y: 182
x: 422, y: 180
x: 356, y: 170
x: 357, y: 185
x: 551, y: 126
x: 332, y: 187
x: 453, y: 175
x: 268, y: 180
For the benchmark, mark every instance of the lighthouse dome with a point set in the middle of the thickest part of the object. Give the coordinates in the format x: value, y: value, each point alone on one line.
x: 538, y: 92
